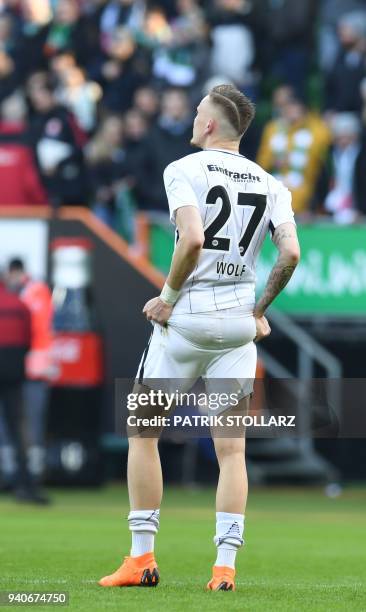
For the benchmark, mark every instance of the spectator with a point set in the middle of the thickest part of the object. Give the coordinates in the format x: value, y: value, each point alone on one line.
x: 76, y: 93
x: 180, y: 57
x: 37, y: 297
x: 342, y: 185
x: 330, y: 14
x: 167, y: 141
x: 61, y: 29
x: 343, y: 83
x: 146, y: 101
x: 188, y: 26
x: 38, y: 80
x: 293, y: 148
x: 282, y: 95
x: 36, y: 20
x: 60, y: 63
x: 80, y: 97
x: 120, y: 70
x: 233, y: 50
x: 128, y: 13
x: 58, y: 145
x: 111, y: 193
x: 155, y: 30
x: 69, y: 29
x: 135, y: 134
x: 14, y: 344
x: 20, y: 183
x: 289, y: 26
x: 105, y: 156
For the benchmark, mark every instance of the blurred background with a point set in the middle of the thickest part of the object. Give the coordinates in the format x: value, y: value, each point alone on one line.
x: 96, y: 98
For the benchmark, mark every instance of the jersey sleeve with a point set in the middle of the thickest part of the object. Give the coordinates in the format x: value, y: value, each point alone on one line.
x: 178, y: 190
x: 282, y: 210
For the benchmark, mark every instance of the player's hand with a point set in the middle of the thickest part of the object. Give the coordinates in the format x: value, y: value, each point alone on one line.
x: 263, y: 328
x: 158, y: 311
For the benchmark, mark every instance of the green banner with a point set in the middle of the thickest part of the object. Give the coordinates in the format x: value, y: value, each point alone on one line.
x: 330, y: 279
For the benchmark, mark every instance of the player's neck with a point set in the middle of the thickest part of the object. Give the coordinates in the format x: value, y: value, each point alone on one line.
x: 223, y: 145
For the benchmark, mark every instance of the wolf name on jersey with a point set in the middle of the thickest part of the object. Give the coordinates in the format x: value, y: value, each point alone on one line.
x: 239, y: 203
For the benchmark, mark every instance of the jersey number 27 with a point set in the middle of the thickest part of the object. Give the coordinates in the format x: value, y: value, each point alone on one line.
x: 217, y: 243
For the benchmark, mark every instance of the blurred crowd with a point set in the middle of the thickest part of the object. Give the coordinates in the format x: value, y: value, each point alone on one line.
x: 98, y: 96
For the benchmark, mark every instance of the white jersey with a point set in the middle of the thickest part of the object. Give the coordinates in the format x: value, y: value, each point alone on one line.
x: 239, y: 203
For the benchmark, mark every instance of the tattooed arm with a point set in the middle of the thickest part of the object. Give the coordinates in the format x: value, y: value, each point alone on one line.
x: 285, y: 239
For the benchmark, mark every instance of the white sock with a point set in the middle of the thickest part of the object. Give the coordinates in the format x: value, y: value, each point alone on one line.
x: 144, y: 525
x: 228, y: 538
x: 142, y: 543
x: 226, y: 557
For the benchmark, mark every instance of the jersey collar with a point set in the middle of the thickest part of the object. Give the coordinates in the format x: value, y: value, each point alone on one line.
x: 226, y: 151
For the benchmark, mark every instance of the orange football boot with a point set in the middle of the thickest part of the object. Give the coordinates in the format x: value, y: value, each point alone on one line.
x: 222, y: 579
x: 134, y: 571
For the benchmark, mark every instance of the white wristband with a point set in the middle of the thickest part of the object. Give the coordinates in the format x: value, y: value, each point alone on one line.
x: 169, y: 295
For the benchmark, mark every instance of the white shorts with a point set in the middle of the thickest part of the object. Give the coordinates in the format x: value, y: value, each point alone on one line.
x: 216, y: 346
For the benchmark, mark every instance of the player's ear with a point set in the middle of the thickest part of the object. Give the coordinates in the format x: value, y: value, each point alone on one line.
x: 210, y: 126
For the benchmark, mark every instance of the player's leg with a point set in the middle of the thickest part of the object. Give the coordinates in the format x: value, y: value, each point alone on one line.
x: 168, y: 351
x: 232, y: 488
x: 231, y: 498
x: 145, y: 479
x: 144, y: 476
x: 225, y: 373
x: 145, y: 488
x: 169, y: 357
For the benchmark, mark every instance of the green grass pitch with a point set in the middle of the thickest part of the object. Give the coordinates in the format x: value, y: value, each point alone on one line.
x: 303, y: 551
